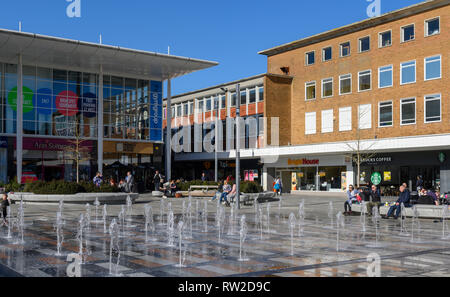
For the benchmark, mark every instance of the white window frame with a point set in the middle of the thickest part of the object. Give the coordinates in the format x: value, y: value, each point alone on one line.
x: 402, y: 35
x: 308, y: 84
x: 359, y: 82
x: 342, y: 110
x: 426, y: 26
x: 341, y: 49
x: 351, y: 84
x: 425, y: 67
x: 259, y: 93
x: 306, y: 58
x: 309, y: 132
x: 324, y: 114
x: 323, y: 53
x: 391, y: 103
x: 361, y: 116
x: 379, y: 76
x: 380, y: 39
x: 165, y: 113
x: 330, y: 79
x: 401, y: 72
x: 191, y: 110
x: 401, y: 111
x: 359, y: 44
x: 425, y: 108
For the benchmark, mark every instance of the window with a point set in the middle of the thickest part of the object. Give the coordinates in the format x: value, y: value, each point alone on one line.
x: 310, y: 90
x: 433, y: 68
x: 165, y: 113
x: 172, y: 112
x: 310, y: 58
x: 327, y: 121
x: 200, y: 106
x: 408, y: 33
x: 365, y: 80
x: 345, y: 49
x: 345, y: 84
x: 261, y: 94
x: 252, y: 96
x: 385, y: 74
x: 408, y: 111
x: 385, y: 39
x: 243, y: 97
x: 327, y: 87
x: 310, y: 123
x: 191, y: 108
x: 433, y: 108
x: 223, y: 101
x: 345, y: 119
x: 432, y: 27
x: 365, y: 116
x: 208, y: 104
x: 408, y: 73
x: 327, y: 54
x: 185, y: 109
x: 233, y: 99
x: 385, y: 114
x: 179, y: 110
x: 364, y: 44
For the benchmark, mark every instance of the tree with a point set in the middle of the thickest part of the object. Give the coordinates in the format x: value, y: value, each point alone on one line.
x: 361, y: 152
x: 77, y: 151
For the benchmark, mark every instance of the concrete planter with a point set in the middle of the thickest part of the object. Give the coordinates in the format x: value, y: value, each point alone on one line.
x: 81, y: 198
x: 425, y: 211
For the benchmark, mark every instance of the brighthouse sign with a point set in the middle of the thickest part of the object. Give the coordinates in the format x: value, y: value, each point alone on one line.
x: 303, y: 162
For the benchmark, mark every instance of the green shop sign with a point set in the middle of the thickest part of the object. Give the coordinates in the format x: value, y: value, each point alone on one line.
x: 27, y: 99
x: 376, y: 178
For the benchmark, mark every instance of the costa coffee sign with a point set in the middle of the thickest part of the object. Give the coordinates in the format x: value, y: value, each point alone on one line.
x: 292, y: 162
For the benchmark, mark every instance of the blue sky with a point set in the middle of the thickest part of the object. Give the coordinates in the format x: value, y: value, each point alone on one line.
x: 229, y: 32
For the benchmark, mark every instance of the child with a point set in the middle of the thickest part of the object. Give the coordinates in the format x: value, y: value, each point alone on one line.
x: 4, y: 206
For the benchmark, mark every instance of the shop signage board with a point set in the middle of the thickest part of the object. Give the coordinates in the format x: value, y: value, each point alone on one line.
x: 156, y: 121
x: 387, y: 176
x: 376, y: 178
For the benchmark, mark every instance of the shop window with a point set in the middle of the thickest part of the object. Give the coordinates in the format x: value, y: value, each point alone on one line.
x: 433, y: 68
x: 433, y: 108
x: 408, y: 111
x: 385, y: 114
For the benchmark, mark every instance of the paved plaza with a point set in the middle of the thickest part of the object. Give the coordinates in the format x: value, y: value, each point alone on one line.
x: 313, y: 251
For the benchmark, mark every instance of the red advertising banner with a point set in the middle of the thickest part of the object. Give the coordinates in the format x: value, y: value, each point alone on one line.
x: 67, y: 103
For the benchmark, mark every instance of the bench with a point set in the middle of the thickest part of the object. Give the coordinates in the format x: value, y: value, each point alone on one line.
x: 425, y: 211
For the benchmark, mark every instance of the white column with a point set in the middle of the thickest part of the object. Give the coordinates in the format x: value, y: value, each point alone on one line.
x: 350, y: 175
x: 19, y: 118
x: 100, y: 121
x: 264, y: 178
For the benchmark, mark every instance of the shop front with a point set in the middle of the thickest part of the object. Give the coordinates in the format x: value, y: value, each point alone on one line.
x: 398, y: 168
x: 309, y: 173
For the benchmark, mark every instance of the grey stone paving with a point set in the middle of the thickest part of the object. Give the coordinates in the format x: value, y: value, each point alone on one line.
x: 269, y: 251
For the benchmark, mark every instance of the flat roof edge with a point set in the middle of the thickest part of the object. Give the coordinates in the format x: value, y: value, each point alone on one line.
x: 358, y: 26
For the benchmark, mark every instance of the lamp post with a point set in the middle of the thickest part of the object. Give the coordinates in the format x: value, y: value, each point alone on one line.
x: 216, y: 142
x: 238, y: 146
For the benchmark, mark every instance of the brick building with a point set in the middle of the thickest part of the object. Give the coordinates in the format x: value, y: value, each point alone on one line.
x: 380, y: 84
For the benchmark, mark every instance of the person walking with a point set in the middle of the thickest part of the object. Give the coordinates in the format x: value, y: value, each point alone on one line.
x: 4, y: 203
x: 157, y: 181
x: 98, y: 179
x: 278, y: 186
x: 404, y: 198
x: 131, y: 185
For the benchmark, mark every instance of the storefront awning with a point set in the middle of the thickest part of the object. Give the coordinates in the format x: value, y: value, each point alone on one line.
x: 47, y: 51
